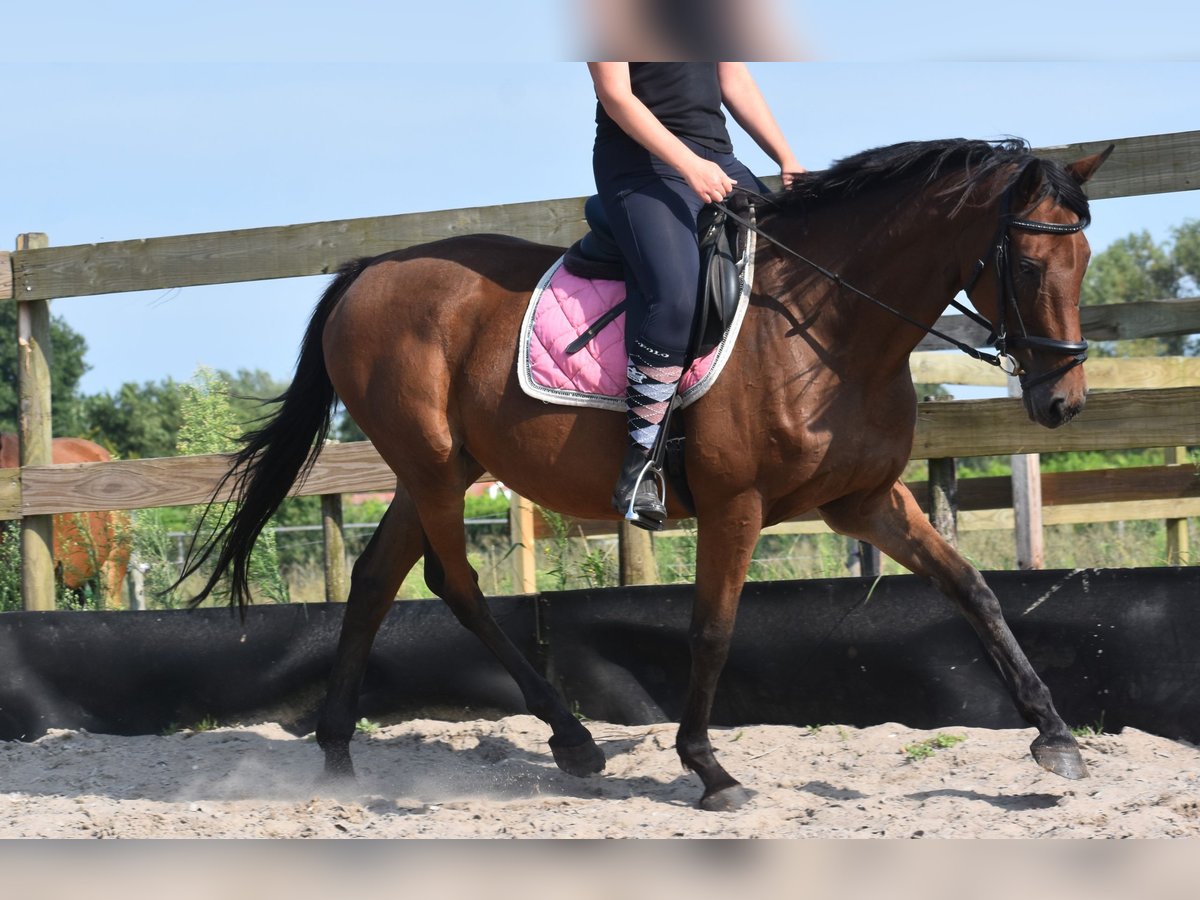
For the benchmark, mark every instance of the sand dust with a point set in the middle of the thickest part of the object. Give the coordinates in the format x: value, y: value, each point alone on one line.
x: 429, y: 778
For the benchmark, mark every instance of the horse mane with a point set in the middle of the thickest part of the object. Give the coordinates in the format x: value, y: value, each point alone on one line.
x: 963, y: 166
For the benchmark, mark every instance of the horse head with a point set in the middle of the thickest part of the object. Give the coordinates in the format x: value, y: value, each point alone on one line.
x: 1039, y: 255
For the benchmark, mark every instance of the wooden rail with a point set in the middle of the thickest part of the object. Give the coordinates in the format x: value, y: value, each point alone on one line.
x: 1139, y: 165
x: 1117, y: 420
x: 1155, y: 164
x: 1103, y: 373
x: 1109, y: 322
x: 1103, y: 495
x: 257, y: 254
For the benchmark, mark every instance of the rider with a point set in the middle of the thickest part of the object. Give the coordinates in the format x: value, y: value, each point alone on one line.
x: 662, y: 152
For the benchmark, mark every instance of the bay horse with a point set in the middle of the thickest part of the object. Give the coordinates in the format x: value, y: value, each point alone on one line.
x: 815, y: 410
x: 92, y: 548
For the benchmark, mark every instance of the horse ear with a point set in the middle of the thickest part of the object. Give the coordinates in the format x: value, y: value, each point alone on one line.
x: 1083, y: 169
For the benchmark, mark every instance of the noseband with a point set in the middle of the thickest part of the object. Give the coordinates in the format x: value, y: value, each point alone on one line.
x: 999, y: 250
x: 998, y: 336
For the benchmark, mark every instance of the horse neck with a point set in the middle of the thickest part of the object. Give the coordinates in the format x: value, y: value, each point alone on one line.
x: 903, y: 250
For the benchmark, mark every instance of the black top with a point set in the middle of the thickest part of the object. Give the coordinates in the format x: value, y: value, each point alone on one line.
x: 685, y: 97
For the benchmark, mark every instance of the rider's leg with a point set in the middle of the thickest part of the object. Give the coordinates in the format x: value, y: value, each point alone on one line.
x: 655, y: 227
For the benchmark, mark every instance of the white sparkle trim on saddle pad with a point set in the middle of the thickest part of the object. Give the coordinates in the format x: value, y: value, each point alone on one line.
x: 564, y: 397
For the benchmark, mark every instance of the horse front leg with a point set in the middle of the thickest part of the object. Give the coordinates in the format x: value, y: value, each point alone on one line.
x: 897, y: 527
x: 724, y: 548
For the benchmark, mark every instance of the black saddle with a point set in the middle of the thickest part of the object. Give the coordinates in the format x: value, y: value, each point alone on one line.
x: 722, y: 265
x: 723, y: 258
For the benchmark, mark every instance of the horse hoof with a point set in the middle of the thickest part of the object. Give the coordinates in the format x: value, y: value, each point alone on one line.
x: 726, y: 799
x: 339, y: 768
x: 581, y: 760
x: 336, y: 783
x: 1060, y: 757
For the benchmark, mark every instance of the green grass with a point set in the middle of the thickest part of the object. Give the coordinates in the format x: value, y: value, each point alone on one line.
x: 919, y: 750
x: 1086, y: 731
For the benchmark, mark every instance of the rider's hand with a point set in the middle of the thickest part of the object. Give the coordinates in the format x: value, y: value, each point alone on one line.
x: 789, y: 169
x: 707, y: 179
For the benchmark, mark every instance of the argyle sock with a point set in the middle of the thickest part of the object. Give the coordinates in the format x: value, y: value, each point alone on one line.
x: 653, y: 378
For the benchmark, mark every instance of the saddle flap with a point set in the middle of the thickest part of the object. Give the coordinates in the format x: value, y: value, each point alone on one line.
x: 722, y: 265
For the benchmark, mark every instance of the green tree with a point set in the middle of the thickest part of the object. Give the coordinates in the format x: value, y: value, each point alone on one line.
x: 138, y: 421
x: 68, y: 349
x: 143, y: 421
x: 1186, y: 252
x: 1135, y: 269
x: 209, y: 425
x: 250, y: 395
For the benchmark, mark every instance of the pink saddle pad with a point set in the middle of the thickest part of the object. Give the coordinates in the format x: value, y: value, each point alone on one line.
x: 562, y: 307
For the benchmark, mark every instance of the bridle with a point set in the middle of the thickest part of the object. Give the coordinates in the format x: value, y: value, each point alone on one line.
x: 998, y: 336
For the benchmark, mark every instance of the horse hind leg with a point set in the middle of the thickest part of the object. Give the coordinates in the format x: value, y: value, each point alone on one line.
x: 378, y: 573
x: 451, y: 577
x: 898, y: 528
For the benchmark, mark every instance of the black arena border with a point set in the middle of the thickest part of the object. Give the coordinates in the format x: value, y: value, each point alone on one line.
x: 1119, y: 647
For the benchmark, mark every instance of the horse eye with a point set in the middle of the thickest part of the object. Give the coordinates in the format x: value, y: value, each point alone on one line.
x: 1030, y: 268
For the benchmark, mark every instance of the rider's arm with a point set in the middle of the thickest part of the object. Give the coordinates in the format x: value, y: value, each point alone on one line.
x: 615, y: 93
x: 745, y: 101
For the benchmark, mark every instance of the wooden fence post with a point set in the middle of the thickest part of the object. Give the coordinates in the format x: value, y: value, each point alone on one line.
x: 34, y: 427
x: 1027, y: 501
x: 1177, y: 529
x: 137, y: 585
x: 635, y: 551
x: 335, y: 548
x: 943, y: 498
x: 524, y: 544
x: 943, y: 495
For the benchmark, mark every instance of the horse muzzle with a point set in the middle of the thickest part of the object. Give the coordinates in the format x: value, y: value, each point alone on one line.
x: 1053, y: 404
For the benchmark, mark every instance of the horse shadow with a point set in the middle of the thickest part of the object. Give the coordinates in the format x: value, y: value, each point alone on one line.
x: 406, y: 773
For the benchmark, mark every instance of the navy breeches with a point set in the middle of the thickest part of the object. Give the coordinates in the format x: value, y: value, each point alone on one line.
x: 652, y: 212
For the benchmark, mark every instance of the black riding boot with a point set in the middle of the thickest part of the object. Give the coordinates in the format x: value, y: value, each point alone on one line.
x: 636, y: 495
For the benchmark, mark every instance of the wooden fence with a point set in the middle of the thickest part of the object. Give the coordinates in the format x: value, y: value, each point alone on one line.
x: 37, y: 272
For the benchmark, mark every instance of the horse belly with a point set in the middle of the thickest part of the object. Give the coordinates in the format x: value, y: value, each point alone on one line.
x: 559, y: 457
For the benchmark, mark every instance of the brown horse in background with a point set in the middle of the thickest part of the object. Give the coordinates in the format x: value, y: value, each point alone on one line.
x: 90, y: 549
x: 815, y: 410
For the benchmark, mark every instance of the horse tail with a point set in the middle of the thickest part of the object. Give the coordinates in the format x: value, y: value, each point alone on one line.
x: 271, y: 459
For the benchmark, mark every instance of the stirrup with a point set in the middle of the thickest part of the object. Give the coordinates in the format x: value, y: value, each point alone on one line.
x: 653, y: 511
x: 640, y: 490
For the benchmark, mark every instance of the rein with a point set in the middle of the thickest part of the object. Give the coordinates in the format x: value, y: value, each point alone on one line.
x: 998, y: 337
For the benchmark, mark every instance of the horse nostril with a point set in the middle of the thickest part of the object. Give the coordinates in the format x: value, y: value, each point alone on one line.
x: 1063, y: 412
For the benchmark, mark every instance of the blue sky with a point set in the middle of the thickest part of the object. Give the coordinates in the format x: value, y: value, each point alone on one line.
x: 158, y: 119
